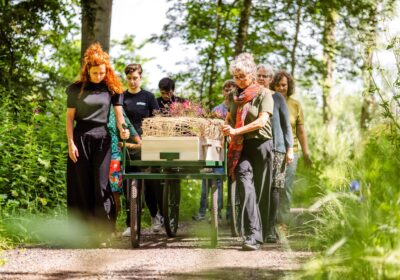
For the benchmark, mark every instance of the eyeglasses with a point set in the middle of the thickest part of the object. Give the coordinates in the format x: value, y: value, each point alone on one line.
x: 264, y: 76
x: 242, y: 77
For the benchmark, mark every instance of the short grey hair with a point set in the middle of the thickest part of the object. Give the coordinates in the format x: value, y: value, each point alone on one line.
x: 266, y: 67
x: 244, y: 62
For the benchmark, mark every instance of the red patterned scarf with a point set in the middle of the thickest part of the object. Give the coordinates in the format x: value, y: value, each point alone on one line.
x: 236, y: 144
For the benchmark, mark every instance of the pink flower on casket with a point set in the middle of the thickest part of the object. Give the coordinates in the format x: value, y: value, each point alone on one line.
x: 186, y: 104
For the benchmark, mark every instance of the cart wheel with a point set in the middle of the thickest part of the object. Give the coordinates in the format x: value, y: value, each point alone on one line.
x: 171, y: 200
x: 235, y: 211
x: 135, y: 212
x: 214, y: 216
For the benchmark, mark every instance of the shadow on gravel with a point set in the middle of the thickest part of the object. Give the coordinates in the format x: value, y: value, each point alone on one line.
x: 226, y: 273
x: 192, y: 235
x: 63, y: 275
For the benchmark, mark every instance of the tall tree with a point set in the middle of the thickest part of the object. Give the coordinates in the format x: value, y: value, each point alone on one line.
x: 211, y: 61
x: 297, y: 24
x: 368, y: 25
x: 96, y: 23
x: 210, y: 27
x: 369, y: 47
x: 31, y: 32
x: 328, y: 43
x: 243, y: 26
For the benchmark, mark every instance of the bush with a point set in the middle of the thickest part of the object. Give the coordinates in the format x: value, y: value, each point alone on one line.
x: 33, y: 158
x: 358, y: 232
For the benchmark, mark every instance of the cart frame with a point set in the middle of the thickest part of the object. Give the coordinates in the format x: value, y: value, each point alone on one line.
x: 169, y: 168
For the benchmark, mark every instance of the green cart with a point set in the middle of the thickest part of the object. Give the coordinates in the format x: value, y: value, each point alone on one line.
x: 169, y: 167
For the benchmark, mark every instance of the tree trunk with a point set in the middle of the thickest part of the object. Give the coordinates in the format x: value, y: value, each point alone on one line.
x: 210, y: 72
x: 96, y: 23
x: 243, y: 27
x: 369, y: 45
x: 212, y: 56
x: 296, y: 38
x: 328, y: 42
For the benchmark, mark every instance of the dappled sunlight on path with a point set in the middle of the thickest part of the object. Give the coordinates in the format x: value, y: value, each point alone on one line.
x: 187, y: 256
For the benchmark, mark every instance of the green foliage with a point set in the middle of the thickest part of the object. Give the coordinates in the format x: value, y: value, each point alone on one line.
x: 126, y: 53
x: 333, y: 147
x: 31, y: 32
x: 209, y: 26
x: 33, y: 157
x: 357, y: 230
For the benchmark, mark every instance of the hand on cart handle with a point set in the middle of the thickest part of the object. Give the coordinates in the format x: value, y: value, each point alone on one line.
x: 125, y: 132
x: 130, y: 146
x: 227, y: 130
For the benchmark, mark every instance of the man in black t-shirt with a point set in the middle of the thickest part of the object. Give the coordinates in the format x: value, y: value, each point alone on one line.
x: 167, y: 88
x: 139, y: 105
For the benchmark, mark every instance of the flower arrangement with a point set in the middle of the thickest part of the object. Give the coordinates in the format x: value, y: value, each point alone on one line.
x: 186, y: 109
x: 183, y: 119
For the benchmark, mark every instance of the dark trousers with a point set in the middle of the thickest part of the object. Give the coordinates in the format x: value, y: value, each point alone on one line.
x: 89, y: 195
x: 253, y: 176
x: 153, y: 195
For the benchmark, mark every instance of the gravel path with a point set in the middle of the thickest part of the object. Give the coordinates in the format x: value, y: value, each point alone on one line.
x: 159, y: 257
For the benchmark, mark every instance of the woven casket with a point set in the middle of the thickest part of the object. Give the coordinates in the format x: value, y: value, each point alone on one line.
x: 187, y: 138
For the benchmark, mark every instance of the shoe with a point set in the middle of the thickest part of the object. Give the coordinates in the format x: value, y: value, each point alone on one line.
x: 156, y: 223
x: 199, y: 217
x: 271, y: 239
x: 127, y: 232
x: 271, y: 235
x: 250, y: 244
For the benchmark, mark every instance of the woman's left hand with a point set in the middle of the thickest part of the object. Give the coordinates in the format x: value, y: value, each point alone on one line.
x: 289, y: 156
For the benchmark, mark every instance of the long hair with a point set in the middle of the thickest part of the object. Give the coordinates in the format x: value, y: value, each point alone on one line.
x: 278, y: 77
x: 95, y: 56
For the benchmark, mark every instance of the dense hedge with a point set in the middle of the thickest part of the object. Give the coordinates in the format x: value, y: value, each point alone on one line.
x: 33, y: 156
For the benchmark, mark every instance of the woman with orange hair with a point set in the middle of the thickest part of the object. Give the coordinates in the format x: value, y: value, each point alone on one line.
x: 89, y: 100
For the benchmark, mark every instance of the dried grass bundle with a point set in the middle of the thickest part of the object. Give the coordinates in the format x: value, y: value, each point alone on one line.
x: 183, y: 126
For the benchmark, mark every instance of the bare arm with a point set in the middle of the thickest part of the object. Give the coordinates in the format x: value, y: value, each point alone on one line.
x: 124, y: 133
x: 72, y: 149
x: 302, y: 136
x: 255, y: 125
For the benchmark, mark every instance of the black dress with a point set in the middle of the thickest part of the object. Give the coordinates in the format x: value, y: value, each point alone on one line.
x: 89, y: 196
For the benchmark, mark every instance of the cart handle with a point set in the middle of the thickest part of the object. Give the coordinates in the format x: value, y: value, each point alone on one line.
x: 124, y: 126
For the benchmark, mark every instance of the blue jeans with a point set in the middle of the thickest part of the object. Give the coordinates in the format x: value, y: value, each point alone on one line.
x: 203, y: 198
x: 286, y: 193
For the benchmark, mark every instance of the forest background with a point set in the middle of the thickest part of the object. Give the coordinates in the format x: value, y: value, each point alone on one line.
x: 343, y: 55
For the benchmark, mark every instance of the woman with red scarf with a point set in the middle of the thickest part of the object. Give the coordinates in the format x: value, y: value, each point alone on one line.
x: 250, y: 149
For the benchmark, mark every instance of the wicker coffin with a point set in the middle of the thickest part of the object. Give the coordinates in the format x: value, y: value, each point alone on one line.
x: 185, y: 138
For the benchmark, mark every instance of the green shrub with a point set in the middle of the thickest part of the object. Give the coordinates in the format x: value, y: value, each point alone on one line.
x: 33, y: 158
x: 358, y: 233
